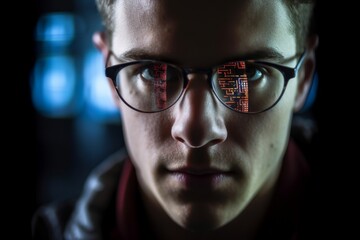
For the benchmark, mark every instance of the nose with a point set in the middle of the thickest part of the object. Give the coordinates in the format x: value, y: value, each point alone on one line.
x: 198, y: 122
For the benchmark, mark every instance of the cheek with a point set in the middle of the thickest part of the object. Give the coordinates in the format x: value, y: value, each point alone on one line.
x: 136, y: 138
x: 263, y: 137
x: 274, y: 129
x: 275, y: 123
x: 145, y: 134
x: 278, y: 120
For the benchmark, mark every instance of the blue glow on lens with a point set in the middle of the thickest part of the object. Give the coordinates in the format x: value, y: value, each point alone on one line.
x: 56, y: 28
x: 54, y: 86
x: 97, y: 93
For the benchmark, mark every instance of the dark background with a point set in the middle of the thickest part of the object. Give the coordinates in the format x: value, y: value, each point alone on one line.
x: 50, y: 156
x: 43, y: 148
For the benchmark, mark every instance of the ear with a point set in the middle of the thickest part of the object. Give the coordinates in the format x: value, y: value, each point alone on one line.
x: 306, y: 73
x: 101, y: 43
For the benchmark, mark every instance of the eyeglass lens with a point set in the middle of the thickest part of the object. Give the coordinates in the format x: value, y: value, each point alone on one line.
x: 242, y: 86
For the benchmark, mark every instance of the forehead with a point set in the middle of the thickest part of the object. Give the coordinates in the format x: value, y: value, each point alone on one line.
x: 201, y: 32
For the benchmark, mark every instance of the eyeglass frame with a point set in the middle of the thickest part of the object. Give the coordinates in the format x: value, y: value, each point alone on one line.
x: 287, y: 72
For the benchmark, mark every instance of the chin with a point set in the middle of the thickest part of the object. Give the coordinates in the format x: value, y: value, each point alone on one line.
x: 201, y: 226
x: 200, y: 219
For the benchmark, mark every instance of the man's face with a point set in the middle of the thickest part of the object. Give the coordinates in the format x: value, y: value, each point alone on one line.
x: 199, y: 161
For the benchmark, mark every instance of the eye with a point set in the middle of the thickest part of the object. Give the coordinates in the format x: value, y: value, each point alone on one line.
x: 147, y: 74
x: 254, y: 73
x: 158, y: 72
x: 152, y: 72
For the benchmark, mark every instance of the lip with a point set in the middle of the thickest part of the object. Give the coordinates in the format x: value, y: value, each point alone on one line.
x: 199, y: 178
x: 199, y: 171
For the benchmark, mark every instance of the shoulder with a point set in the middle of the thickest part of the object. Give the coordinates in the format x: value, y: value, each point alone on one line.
x: 49, y: 221
x: 58, y: 220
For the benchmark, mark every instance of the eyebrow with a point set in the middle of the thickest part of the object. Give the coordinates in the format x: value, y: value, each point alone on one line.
x: 138, y: 54
x: 265, y: 53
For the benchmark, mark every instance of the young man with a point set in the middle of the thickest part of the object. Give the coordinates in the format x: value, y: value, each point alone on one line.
x: 207, y: 91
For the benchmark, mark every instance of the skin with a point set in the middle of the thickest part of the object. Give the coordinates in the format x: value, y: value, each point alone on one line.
x: 198, y: 133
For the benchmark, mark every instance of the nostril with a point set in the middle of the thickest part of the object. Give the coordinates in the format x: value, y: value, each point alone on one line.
x: 215, y: 141
x: 180, y: 139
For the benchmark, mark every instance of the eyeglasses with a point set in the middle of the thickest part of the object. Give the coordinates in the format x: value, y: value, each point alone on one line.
x: 243, y: 86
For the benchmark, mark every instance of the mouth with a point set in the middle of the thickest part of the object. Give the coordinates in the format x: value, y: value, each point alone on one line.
x: 199, y: 178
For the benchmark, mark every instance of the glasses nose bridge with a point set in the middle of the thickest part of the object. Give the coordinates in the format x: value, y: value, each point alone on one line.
x: 206, y: 71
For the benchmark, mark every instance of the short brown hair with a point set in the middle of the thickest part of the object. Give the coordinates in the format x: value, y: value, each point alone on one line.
x: 106, y: 9
x: 300, y: 12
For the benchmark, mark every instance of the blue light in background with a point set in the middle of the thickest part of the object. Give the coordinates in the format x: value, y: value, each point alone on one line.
x: 54, y: 86
x: 97, y: 93
x: 54, y: 78
x: 56, y: 28
x: 69, y: 71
